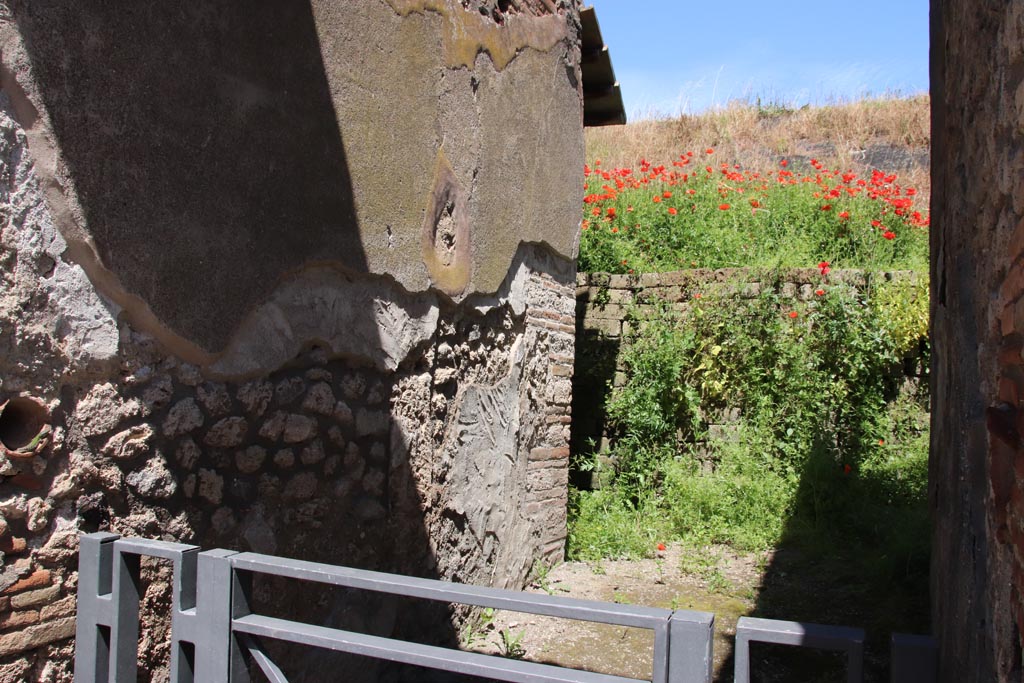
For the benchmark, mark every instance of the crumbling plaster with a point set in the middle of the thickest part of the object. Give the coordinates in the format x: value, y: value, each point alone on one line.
x: 331, y: 320
x: 501, y: 134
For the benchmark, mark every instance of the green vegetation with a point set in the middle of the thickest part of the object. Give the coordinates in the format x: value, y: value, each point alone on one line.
x: 829, y: 451
x: 700, y: 212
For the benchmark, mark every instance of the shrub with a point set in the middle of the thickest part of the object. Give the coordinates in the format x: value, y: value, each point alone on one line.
x: 832, y: 437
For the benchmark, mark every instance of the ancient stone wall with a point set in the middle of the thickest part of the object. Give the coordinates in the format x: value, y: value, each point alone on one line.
x: 977, y: 465
x: 306, y: 308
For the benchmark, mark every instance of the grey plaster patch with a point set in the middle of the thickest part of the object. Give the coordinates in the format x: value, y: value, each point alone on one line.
x: 317, y: 305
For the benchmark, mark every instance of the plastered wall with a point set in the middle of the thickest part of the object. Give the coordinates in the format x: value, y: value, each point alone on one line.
x: 297, y: 280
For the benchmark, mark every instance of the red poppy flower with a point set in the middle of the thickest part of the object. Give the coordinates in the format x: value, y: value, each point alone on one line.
x: 826, y: 207
x: 666, y: 194
x: 586, y: 225
x: 710, y: 150
x: 783, y: 163
x: 656, y: 199
x: 824, y: 267
x: 793, y: 314
x: 723, y: 207
x: 615, y: 229
x: 881, y: 442
x: 611, y: 212
x: 844, y: 215
x: 661, y: 547
x: 672, y: 210
x: 820, y: 291
x: 889, y: 235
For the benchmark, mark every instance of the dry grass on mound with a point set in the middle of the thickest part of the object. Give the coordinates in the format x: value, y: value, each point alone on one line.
x: 842, y: 135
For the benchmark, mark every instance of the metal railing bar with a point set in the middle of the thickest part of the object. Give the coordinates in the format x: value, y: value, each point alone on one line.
x: 266, y: 664
x: 162, y: 549
x: 799, y: 633
x: 429, y: 656
x: 532, y: 603
x: 659, y: 667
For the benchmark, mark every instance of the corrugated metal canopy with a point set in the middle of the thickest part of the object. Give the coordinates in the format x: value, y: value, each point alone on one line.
x: 602, y: 99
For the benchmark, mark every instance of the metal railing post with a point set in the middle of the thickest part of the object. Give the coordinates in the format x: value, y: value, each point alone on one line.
x: 691, y: 649
x: 124, y: 627
x: 183, y: 604
x: 92, y: 626
x: 217, y: 655
x: 819, y: 636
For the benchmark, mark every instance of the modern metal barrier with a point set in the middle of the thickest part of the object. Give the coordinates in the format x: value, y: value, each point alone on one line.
x: 842, y: 638
x: 214, y: 631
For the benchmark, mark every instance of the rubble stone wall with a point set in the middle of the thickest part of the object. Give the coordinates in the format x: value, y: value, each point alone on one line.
x: 381, y: 384
x: 977, y: 462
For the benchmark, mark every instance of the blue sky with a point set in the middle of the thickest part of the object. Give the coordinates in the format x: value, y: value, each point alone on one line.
x: 685, y: 56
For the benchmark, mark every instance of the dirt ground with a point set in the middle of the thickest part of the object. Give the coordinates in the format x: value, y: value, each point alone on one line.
x: 714, y: 580
x: 786, y: 584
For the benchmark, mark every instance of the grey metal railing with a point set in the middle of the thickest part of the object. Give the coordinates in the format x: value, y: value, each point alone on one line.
x: 214, y: 630
x: 215, y: 634
x: 841, y: 638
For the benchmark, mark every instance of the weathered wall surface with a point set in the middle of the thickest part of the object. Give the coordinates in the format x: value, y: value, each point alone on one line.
x: 977, y: 468
x: 298, y: 281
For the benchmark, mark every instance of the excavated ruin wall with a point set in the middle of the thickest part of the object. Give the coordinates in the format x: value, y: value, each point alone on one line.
x: 381, y: 380
x: 977, y: 465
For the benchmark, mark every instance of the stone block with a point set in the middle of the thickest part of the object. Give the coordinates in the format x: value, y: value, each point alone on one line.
x: 21, y: 619
x: 62, y: 608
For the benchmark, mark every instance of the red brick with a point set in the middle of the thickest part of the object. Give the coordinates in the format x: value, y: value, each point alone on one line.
x: 12, y: 545
x: 55, y: 610
x: 28, y: 481
x: 1017, y: 244
x: 1013, y: 284
x: 549, y: 453
x: 1007, y: 322
x: 13, y: 620
x: 1009, y: 391
x: 37, y: 579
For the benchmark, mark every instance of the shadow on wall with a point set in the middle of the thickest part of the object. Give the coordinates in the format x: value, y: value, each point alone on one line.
x: 203, y: 145
x: 592, y: 381
x: 208, y: 162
